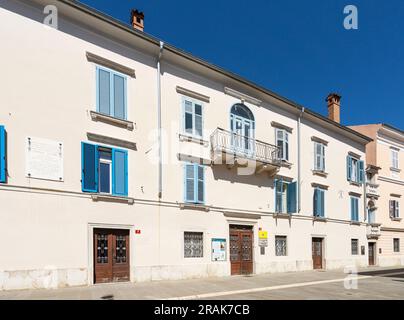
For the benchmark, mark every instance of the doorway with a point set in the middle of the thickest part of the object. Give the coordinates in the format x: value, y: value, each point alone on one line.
x: 111, y: 255
x: 372, y: 253
x: 317, y: 249
x: 241, y: 250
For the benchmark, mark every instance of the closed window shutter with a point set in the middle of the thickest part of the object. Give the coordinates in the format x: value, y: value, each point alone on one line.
x: 198, y: 120
x: 119, y: 96
x: 322, y: 203
x: 352, y: 209
x: 104, y: 91
x: 323, y: 157
x: 188, y: 117
x: 397, y: 209
x: 119, y: 172
x: 315, y: 201
x: 3, y: 170
x: 189, y: 183
x: 291, y: 197
x: 89, y: 167
x: 286, y: 142
x: 201, y: 183
x: 349, y: 167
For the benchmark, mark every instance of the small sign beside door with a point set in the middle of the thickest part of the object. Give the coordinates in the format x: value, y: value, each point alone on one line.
x: 263, y: 238
x: 218, y: 249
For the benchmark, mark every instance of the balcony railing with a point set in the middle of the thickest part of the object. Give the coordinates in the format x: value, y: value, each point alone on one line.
x: 224, y: 141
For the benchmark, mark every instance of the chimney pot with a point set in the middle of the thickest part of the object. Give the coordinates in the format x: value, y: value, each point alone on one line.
x: 334, y: 107
x: 137, y: 19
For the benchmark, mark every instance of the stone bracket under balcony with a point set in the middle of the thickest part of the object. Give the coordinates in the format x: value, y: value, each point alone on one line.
x: 234, y: 150
x: 373, y: 231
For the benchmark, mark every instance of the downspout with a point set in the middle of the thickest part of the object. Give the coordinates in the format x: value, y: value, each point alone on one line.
x: 299, y: 161
x: 160, y: 178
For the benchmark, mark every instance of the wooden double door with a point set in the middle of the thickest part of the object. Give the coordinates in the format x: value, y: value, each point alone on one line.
x: 111, y: 255
x: 372, y: 253
x: 241, y: 250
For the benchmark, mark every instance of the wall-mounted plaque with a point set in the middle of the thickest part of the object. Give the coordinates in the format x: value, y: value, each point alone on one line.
x: 218, y: 249
x: 44, y: 159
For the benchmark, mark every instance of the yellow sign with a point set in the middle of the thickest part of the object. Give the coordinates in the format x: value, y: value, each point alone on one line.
x: 263, y: 234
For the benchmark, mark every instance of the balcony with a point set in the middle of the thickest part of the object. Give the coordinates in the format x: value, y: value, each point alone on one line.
x: 231, y: 149
x: 372, y: 190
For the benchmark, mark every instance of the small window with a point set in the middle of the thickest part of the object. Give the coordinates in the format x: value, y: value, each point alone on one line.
x: 193, y: 244
x: 394, y: 209
x: 394, y: 159
x: 111, y: 93
x: 355, y: 170
x: 280, y: 246
x: 396, y: 244
x: 354, y: 247
x: 319, y: 156
x: 282, y: 142
x: 192, y: 118
x: 355, y: 209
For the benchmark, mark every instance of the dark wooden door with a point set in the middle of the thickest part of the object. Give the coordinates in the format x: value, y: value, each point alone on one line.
x: 241, y: 251
x: 111, y: 255
x: 317, y: 249
x: 372, y: 251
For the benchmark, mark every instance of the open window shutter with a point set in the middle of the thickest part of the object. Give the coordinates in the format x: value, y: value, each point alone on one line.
x: 391, y: 210
x: 189, y: 183
x: 200, y: 180
x: 291, y: 197
x: 348, y: 167
x: 89, y: 167
x: 119, y: 172
x: 315, y: 202
x: 397, y: 209
x: 361, y: 172
x: 2, y: 154
x: 323, y: 157
x: 276, y: 182
x: 352, y: 208
x: 356, y: 202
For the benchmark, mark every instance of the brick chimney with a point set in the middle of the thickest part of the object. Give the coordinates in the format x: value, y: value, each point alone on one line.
x: 137, y: 19
x: 334, y: 107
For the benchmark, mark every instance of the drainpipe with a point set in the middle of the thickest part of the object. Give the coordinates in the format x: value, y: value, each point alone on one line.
x: 299, y: 161
x: 160, y: 182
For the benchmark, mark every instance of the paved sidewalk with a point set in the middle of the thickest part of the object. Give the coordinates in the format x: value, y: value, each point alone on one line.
x: 373, y: 283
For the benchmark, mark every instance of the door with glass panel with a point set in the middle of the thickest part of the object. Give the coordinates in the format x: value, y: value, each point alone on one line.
x: 111, y: 255
x: 241, y: 250
x: 242, y: 128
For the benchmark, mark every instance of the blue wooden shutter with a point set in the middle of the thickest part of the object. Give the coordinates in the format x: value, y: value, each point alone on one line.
x: 119, y: 172
x: 352, y: 209
x: 349, y: 167
x: 200, y: 183
x: 2, y: 154
x: 189, y: 183
x: 291, y: 197
x: 104, y: 93
x: 315, y: 202
x: 119, y: 92
x: 89, y: 167
x: 361, y: 172
x: 322, y: 203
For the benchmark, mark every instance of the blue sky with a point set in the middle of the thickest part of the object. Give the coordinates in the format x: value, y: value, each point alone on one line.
x: 298, y: 49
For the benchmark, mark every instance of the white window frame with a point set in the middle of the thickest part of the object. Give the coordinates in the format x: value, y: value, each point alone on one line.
x: 354, y: 169
x: 285, y: 142
x: 184, y: 112
x: 396, y: 208
x: 109, y: 162
x: 321, y: 156
x: 395, y: 159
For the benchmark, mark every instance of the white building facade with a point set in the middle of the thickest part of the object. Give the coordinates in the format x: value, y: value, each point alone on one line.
x: 126, y: 159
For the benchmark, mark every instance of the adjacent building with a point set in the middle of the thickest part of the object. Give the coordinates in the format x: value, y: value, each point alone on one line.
x: 385, y: 191
x: 126, y: 159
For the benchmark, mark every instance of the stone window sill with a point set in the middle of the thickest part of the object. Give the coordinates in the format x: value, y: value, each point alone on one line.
x: 279, y: 215
x: 96, y: 116
x: 320, y: 219
x: 355, y: 223
x: 194, y: 206
x: 395, y: 169
x: 320, y: 173
x: 353, y: 183
x: 110, y: 198
x: 184, y: 137
x: 396, y: 219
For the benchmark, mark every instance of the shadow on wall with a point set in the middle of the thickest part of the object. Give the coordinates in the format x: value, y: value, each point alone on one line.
x: 222, y: 172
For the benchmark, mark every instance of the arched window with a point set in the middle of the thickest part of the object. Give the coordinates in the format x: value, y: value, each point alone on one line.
x: 242, y: 125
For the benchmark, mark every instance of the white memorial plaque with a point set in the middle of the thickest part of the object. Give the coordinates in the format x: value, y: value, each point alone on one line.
x: 44, y: 159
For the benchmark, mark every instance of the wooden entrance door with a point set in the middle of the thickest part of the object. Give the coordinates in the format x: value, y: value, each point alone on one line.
x: 372, y: 251
x: 317, y: 249
x: 111, y: 255
x: 241, y: 250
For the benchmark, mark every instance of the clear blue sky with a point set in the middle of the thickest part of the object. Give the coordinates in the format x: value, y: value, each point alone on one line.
x: 298, y: 49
